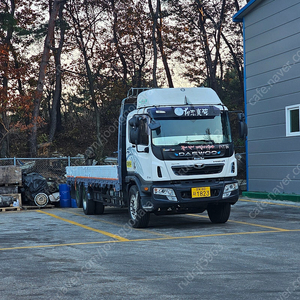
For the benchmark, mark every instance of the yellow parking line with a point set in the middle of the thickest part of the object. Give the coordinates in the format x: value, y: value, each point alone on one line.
x: 59, y: 245
x: 257, y: 225
x: 116, y: 224
x: 267, y: 202
x: 246, y: 223
x: 206, y: 235
x: 146, y: 240
x: 119, y: 238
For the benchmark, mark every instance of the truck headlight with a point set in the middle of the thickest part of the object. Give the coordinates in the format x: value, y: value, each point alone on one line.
x: 169, y: 193
x: 229, y: 188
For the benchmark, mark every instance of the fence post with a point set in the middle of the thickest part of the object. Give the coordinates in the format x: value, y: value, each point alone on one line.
x: 69, y: 161
x: 15, y: 161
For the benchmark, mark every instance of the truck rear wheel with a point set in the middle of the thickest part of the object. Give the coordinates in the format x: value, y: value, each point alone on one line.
x: 219, y: 213
x: 87, y: 201
x: 99, y: 208
x: 78, y: 195
x: 138, y: 217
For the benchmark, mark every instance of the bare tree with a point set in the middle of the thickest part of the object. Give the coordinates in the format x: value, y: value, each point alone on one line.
x: 55, y: 111
x: 211, y: 62
x: 116, y: 41
x: 4, y: 122
x: 154, y: 26
x: 42, y: 73
x: 161, y: 46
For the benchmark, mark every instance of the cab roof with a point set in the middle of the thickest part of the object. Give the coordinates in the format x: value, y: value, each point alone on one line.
x: 178, y: 96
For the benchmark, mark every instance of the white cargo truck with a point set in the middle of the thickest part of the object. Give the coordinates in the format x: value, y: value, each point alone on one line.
x: 175, y: 155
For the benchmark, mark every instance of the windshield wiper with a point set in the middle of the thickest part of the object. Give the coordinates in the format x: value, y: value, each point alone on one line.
x: 195, y: 141
x: 183, y: 144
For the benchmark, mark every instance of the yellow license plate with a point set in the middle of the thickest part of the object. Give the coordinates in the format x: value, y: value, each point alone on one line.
x: 201, y: 192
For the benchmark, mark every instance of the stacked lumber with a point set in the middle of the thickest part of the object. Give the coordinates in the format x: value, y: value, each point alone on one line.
x: 10, y: 180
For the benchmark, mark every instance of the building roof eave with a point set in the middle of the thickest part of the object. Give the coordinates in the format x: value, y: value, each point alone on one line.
x: 239, y: 16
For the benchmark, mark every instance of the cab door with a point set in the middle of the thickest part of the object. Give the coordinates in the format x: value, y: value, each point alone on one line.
x: 138, y: 158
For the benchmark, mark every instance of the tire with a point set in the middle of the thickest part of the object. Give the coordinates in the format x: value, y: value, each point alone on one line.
x: 78, y: 195
x: 219, y: 213
x: 138, y: 217
x: 72, y: 191
x: 99, y: 208
x: 41, y: 200
x: 88, y: 203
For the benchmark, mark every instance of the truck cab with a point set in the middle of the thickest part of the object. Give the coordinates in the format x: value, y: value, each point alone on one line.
x: 176, y: 154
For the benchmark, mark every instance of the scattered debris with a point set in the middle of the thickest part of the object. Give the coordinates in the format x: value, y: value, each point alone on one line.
x: 6, y: 200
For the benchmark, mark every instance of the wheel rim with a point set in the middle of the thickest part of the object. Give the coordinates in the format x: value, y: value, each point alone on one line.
x: 84, y: 204
x: 41, y: 199
x: 134, y: 206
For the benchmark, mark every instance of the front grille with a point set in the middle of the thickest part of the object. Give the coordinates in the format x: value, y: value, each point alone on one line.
x: 192, y: 170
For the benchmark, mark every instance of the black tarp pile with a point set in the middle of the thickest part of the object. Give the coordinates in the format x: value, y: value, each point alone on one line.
x: 38, y: 191
x: 33, y: 184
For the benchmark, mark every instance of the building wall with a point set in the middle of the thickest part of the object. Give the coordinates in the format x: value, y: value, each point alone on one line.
x: 272, y: 61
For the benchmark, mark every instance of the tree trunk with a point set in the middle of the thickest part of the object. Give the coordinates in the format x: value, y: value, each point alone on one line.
x: 116, y: 41
x: 42, y: 73
x: 57, y: 93
x: 238, y: 68
x: 154, y: 18
x: 211, y: 64
x: 4, y: 128
x: 161, y: 47
x: 208, y: 59
x: 91, y: 84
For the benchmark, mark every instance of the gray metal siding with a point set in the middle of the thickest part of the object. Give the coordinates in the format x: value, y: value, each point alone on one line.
x: 269, y: 63
x: 274, y: 49
x: 274, y: 35
x: 268, y: 79
x: 284, y: 13
x: 268, y: 118
x: 272, y: 58
x: 266, y: 9
x: 263, y: 105
x: 273, y: 186
x: 271, y: 145
x: 290, y: 158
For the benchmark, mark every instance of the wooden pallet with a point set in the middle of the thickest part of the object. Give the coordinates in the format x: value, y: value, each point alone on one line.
x: 10, y: 175
x: 36, y: 207
x: 10, y: 208
x: 16, y: 196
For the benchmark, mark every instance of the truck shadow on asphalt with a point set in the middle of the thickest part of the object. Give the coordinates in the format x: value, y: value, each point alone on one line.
x: 120, y: 217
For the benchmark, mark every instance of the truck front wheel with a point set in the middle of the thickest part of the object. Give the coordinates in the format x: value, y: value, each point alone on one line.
x: 138, y: 217
x: 87, y: 201
x: 219, y: 213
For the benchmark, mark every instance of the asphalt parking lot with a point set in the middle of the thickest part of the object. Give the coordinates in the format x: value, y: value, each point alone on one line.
x: 64, y: 254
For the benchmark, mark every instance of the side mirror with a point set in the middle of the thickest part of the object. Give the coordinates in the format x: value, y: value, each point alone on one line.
x: 134, y: 131
x: 134, y: 122
x: 154, y: 125
x: 243, y: 128
x: 241, y: 117
x: 134, y: 135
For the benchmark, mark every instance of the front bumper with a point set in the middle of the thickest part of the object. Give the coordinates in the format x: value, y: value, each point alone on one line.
x: 185, y: 203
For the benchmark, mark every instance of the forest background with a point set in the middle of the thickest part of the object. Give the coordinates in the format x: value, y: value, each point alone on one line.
x: 65, y: 66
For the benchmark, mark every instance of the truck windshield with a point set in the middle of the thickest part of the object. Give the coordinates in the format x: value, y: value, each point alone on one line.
x: 201, y: 131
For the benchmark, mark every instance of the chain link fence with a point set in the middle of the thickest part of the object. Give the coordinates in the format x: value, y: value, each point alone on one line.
x: 53, y: 168
x: 41, y: 178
